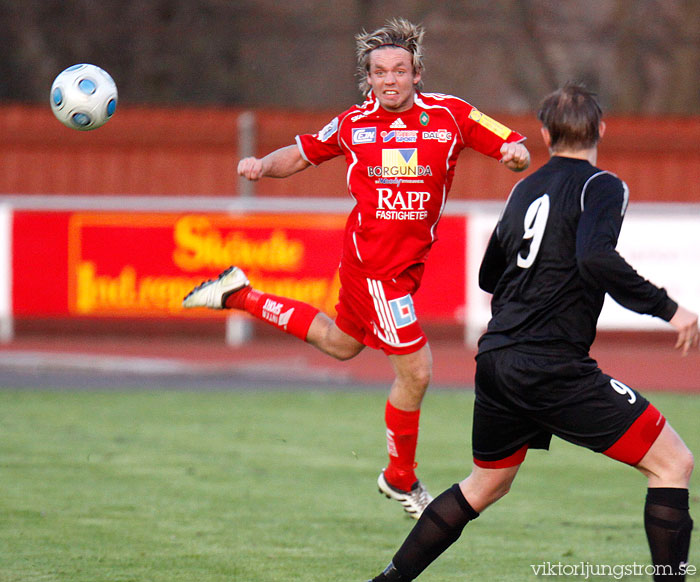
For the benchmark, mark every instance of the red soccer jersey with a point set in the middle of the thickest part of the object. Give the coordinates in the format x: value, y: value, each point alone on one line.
x: 400, y: 169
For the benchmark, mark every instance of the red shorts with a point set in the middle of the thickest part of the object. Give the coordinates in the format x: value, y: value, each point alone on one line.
x: 380, y: 314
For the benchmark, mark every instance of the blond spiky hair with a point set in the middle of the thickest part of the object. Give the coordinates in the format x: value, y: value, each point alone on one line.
x: 396, y: 32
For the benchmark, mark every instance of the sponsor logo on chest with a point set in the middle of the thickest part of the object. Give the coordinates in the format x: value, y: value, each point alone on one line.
x: 397, y: 205
x: 399, y: 163
x: 400, y: 135
x: 441, y: 135
x: 362, y: 135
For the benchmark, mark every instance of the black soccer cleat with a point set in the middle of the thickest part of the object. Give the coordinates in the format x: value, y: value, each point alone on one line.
x: 390, y: 574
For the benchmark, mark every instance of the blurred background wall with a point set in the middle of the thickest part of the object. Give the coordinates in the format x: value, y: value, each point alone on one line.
x: 198, y: 79
x: 187, y: 70
x: 643, y: 56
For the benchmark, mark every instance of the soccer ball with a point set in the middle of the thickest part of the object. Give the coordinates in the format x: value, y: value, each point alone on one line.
x: 83, y: 97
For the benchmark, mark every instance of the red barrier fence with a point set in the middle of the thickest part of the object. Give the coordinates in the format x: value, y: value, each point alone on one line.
x: 141, y: 264
x: 193, y: 151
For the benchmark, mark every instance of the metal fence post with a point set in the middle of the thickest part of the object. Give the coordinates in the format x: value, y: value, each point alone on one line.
x: 239, y: 328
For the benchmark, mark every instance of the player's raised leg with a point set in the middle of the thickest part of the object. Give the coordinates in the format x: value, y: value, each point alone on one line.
x: 232, y: 290
x: 325, y: 335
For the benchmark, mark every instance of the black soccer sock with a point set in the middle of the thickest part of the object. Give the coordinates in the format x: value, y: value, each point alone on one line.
x: 668, y: 525
x: 437, y: 529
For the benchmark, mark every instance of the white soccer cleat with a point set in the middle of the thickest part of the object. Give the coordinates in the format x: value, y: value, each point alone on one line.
x: 213, y: 293
x: 413, y: 501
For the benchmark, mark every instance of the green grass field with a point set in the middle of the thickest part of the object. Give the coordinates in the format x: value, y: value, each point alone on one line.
x: 278, y: 486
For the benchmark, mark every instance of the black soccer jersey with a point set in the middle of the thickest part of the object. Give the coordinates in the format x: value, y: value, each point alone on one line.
x: 552, y: 258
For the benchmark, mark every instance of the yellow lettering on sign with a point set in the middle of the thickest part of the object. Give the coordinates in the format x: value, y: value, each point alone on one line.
x: 94, y: 290
x: 129, y: 293
x: 200, y: 245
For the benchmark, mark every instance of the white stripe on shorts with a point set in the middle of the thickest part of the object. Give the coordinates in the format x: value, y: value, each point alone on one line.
x: 382, y: 309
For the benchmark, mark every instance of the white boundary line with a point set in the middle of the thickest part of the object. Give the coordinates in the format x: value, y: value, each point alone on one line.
x: 6, y: 321
x: 267, y: 204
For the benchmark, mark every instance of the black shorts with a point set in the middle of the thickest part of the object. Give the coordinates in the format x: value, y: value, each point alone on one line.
x: 524, y: 397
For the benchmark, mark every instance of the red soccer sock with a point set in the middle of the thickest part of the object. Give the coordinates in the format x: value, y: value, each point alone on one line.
x: 237, y: 299
x: 291, y: 316
x: 402, y: 440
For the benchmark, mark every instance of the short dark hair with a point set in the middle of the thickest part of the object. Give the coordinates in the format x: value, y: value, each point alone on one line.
x: 572, y: 117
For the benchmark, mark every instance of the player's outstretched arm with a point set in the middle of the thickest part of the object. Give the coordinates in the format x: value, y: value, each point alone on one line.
x: 278, y: 164
x: 686, y: 323
x: 515, y: 156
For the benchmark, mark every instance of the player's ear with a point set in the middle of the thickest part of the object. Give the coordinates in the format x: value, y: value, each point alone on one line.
x: 546, y: 137
x: 601, y: 129
x: 416, y: 77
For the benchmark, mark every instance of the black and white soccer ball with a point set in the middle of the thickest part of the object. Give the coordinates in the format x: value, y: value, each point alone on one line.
x: 83, y: 97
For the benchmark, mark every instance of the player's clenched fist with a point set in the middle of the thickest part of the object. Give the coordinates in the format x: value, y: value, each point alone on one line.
x: 281, y: 163
x: 515, y: 156
x: 251, y: 168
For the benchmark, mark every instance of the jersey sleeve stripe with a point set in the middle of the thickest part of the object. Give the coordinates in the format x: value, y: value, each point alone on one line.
x: 302, y: 152
x: 585, y: 187
x: 625, y: 191
x: 626, y: 196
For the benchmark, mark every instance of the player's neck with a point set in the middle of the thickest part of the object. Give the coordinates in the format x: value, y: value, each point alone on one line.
x: 590, y: 154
